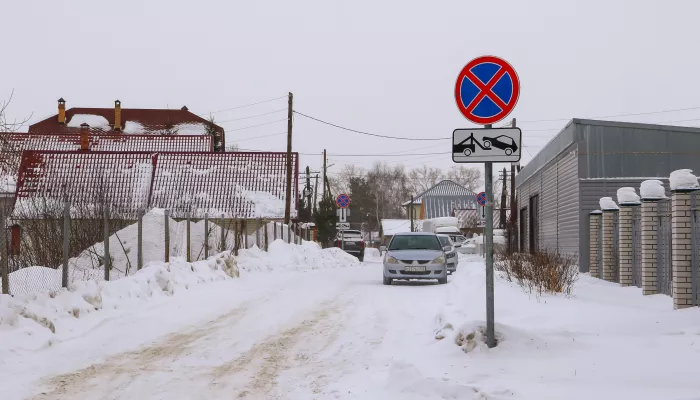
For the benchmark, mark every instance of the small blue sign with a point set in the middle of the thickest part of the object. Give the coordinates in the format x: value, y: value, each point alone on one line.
x: 481, y: 199
x: 342, y: 201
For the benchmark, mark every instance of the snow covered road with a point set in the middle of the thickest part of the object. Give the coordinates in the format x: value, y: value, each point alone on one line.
x: 338, y: 333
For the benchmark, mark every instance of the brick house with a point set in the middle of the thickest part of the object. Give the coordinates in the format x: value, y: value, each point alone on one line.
x: 118, y: 120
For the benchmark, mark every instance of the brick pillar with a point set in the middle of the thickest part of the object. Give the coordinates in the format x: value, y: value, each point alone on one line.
x: 609, y: 246
x: 649, y: 246
x: 625, y: 256
x: 594, y: 221
x: 681, y: 249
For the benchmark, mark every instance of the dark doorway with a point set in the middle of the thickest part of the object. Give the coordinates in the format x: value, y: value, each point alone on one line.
x: 534, y: 221
x: 523, y: 228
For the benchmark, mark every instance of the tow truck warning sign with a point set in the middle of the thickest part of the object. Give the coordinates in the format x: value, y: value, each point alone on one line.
x: 486, y: 145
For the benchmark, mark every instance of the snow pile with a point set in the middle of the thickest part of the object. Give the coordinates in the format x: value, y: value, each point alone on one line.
x: 652, y: 189
x: 607, y: 203
x: 195, y: 128
x: 683, y: 179
x: 267, y: 205
x: 627, y: 195
x: 133, y: 128
x: 291, y: 257
x: 43, y: 314
x: 96, y: 122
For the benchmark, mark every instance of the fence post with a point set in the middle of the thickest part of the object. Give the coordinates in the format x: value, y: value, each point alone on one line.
x: 626, y: 246
x: 609, y: 246
x: 257, y: 233
x: 206, y: 236
x: 649, y: 246
x: 245, y: 233
x: 4, y: 253
x: 682, y: 249
x: 236, y: 237
x: 66, y: 242
x: 289, y: 232
x: 108, y: 257
x: 594, y: 220
x: 189, y: 237
x: 274, y: 236
x: 167, y: 236
x: 139, y: 245
x: 695, y: 247
x: 267, y: 242
x: 223, y: 236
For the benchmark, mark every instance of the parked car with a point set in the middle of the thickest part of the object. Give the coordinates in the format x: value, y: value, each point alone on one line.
x: 503, y: 142
x: 354, y: 243
x: 450, y: 252
x: 415, y: 255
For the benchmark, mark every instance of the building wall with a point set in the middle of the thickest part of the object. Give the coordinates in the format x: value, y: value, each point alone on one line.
x: 557, y: 185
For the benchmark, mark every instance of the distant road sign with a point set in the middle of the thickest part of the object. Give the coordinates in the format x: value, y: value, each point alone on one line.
x: 487, y: 90
x: 486, y: 145
x: 343, y: 200
x: 481, y: 198
x: 342, y: 226
x: 307, y: 192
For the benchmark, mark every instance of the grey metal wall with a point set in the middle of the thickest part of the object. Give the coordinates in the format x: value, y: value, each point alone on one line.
x: 557, y: 185
x: 591, y: 192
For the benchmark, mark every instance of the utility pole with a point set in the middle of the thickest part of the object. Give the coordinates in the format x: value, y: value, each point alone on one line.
x: 324, y: 175
x: 307, y: 188
x: 502, y: 221
x: 316, y: 195
x: 288, y: 198
x: 411, y: 212
x: 513, y: 213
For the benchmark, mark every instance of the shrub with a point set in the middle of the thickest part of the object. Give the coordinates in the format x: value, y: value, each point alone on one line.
x: 545, y: 271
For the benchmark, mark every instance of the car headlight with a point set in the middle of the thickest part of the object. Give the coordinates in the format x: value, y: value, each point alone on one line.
x: 391, y: 260
x: 439, y: 260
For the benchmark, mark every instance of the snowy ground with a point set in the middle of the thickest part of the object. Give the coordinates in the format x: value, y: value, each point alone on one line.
x: 336, y: 332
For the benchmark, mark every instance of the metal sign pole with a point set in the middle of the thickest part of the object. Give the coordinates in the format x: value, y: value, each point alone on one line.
x: 490, y: 331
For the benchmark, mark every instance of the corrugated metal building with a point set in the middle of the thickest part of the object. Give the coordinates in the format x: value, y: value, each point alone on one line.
x: 585, y: 161
x: 441, y: 200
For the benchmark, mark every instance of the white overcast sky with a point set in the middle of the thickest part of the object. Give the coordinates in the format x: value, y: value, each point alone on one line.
x: 387, y: 67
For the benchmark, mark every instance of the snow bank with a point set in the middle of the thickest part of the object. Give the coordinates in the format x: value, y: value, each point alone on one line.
x: 652, y: 189
x: 683, y: 179
x: 96, y: 122
x: 194, y: 128
x: 24, y: 319
x: 267, y: 205
x: 291, y: 257
x: 607, y: 203
x: 627, y: 195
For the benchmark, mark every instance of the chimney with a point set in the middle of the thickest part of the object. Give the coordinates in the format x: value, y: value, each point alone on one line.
x: 84, y: 137
x: 184, y: 108
x: 61, y: 111
x: 117, y: 115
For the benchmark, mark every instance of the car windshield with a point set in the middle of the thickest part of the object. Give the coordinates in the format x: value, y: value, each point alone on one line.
x: 444, y: 240
x: 415, y: 242
x: 458, y: 239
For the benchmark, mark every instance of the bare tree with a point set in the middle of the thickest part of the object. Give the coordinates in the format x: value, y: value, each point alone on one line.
x: 215, y: 134
x: 470, y: 178
x: 424, y: 178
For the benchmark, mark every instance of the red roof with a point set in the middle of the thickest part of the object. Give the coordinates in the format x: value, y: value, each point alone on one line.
x: 240, y: 185
x: 133, y: 120
x: 109, y: 142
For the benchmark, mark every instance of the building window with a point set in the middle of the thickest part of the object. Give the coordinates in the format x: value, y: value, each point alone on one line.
x: 534, y: 222
x: 523, y: 225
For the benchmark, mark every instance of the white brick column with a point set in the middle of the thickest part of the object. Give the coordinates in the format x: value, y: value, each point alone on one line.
x: 625, y: 256
x: 609, y: 246
x: 594, y: 221
x: 649, y: 246
x: 681, y: 249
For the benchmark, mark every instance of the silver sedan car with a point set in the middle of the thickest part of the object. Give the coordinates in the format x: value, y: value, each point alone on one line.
x: 415, y: 255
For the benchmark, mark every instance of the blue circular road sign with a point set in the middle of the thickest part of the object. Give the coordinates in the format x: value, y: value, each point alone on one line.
x: 481, y: 199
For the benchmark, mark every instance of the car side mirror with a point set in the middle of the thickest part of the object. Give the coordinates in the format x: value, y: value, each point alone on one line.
x: 446, y: 248
x: 382, y: 249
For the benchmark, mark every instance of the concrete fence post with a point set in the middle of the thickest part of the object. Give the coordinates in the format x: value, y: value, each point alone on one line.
x: 167, y: 236
x: 626, y: 250
x: 649, y: 246
x: 257, y: 232
x: 681, y: 245
x: 595, y: 218
x: 609, y: 245
x: 206, y: 236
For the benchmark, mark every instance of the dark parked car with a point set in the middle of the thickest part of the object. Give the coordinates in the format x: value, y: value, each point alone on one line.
x: 503, y: 142
x: 354, y: 244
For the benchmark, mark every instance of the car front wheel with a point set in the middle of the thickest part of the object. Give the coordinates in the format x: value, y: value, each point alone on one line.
x: 387, y: 281
x: 442, y: 281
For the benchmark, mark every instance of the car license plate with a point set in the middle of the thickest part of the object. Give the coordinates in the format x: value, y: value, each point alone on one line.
x: 414, y: 269
x: 352, y: 243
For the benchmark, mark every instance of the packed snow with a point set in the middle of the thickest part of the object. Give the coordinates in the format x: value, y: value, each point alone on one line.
x: 627, y: 195
x: 683, y: 179
x: 652, y: 189
x: 8, y: 183
x: 195, y: 128
x: 607, y: 203
x: 133, y: 128
x: 96, y: 122
x: 266, y: 204
x: 291, y: 257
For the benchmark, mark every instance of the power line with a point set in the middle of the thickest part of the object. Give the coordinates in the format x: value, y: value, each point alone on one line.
x: 252, y: 116
x: 259, y: 137
x: 367, y: 133
x: 246, y: 105
x: 615, y: 116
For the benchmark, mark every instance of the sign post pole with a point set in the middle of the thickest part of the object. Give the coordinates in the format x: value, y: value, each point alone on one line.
x: 488, y: 233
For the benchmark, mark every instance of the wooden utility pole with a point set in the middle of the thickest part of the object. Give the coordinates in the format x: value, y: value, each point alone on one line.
x: 324, y: 174
x: 316, y: 195
x: 502, y: 218
x: 513, y: 220
x: 308, y: 187
x: 288, y: 199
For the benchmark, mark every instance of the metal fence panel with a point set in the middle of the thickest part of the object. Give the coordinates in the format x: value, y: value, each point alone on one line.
x: 637, y: 246
x: 695, y: 246
x: 664, y: 269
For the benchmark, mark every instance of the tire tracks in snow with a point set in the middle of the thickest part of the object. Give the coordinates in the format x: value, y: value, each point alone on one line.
x: 258, y: 369
x: 119, y: 370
